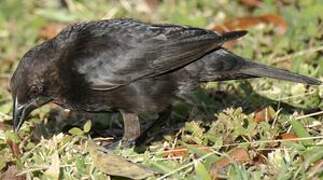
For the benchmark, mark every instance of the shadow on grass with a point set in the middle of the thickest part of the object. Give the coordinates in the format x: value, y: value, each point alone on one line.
x: 203, y: 105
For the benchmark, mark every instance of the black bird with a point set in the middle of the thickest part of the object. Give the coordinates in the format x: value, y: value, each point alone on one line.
x: 128, y: 66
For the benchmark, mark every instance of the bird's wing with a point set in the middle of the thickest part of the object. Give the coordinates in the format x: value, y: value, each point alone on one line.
x: 109, y: 54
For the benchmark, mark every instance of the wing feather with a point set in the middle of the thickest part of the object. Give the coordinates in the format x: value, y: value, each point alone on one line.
x: 113, y: 53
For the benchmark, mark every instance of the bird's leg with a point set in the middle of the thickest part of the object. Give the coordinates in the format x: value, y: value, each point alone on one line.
x: 131, y: 131
x: 131, y: 128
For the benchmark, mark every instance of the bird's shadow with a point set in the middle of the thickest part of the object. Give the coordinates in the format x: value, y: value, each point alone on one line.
x: 204, y: 104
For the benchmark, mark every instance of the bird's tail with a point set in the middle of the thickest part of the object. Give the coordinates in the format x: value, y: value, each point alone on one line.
x: 224, y: 65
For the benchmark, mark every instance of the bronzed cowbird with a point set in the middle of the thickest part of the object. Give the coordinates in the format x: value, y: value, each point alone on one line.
x: 128, y: 66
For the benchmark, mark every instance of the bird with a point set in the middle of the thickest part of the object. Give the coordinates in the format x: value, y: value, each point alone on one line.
x: 129, y: 66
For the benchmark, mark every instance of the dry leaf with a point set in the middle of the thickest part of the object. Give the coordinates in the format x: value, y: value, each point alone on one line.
x: 252, y: 21
x: 182, y: 151
x: 14, y: 148
x: 177, y: 152
x: 237, y: 155
x: 265, y: 114
x: 287, y: 136
x: 50, y: 31
x: 116, y: 165
x: 11, y: 174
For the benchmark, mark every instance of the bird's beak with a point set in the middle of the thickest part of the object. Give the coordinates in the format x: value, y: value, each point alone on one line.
x: 21, y: 111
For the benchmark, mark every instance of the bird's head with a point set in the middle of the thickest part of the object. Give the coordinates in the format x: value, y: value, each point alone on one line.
x: 28, y: 84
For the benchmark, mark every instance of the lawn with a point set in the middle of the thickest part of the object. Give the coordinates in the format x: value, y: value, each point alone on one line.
x: 247, y: 129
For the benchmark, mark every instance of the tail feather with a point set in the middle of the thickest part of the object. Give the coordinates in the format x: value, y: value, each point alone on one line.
x: 224, y: 65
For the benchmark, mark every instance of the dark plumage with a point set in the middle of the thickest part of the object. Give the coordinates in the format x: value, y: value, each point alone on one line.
x: 128, y: 66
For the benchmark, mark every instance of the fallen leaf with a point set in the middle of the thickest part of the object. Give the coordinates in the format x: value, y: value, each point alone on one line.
x: 183, y: 151
x: 176, y: 152
x: 116, y: 165
x: 14, y: 148
x: 51, y: 30
x: 252, y: 21
x: 287, y: 136
x: 237, y: 155
x: 11, y: 174
x: 265, y: 114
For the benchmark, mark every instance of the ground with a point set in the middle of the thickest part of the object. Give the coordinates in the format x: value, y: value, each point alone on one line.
x: 250, y: 129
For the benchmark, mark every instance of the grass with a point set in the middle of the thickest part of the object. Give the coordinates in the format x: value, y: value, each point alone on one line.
x: 270, y: 120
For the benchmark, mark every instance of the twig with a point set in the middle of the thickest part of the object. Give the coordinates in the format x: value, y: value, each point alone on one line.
x: 26, y: 154
x: 295, y: 96
x: 276, y: 118
x: 297, y: 54
x: 274, y: 140
x: 309, y: 115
